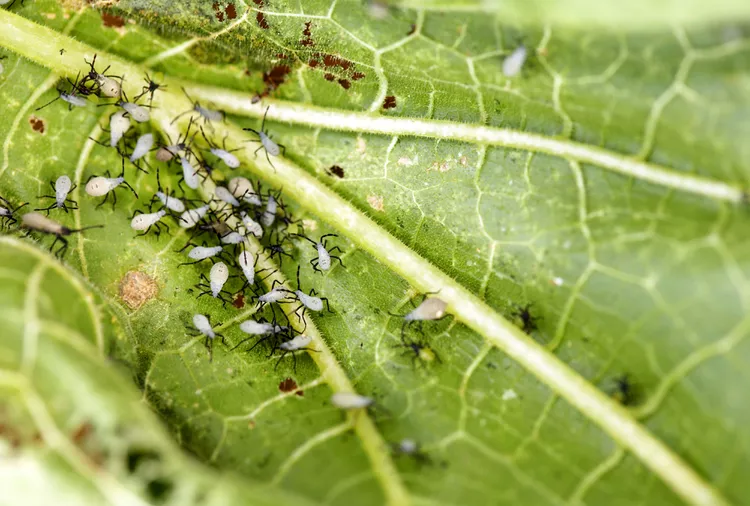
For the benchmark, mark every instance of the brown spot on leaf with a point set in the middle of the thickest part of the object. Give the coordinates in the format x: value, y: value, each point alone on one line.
x: 357, y: 76
x: 307, y: 41
x: 217, y: 11
x: 288, y: 385
x: 275, y: 77
x: 231, y: 11
x: 330, y: 60
x: 261, y: 19
x: 313, y: 63
x: 37, y: 124
x: 335, y: 170
x: 412, y: 29
x: 329, y: 77
x: 112, y: 21
x: 345, y: 84
x: 239, y: 301
x: 259, y: 3
x: 137, y: 288
x: 389, y: 102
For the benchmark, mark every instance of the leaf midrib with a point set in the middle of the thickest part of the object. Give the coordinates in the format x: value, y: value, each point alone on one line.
x: 330, y: 370
x: 22, y: 35
x: 240, y: 103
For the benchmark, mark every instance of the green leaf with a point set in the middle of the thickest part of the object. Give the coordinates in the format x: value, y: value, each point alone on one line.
x: 73, y: 425
x: 634, y: 15
x: 603, y: 189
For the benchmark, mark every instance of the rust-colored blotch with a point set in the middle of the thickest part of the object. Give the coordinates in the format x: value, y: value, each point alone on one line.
x: 37, y: 124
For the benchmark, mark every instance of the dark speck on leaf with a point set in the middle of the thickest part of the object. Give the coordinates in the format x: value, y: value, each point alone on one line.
x: 330, y: 60
x: 261, y: 19
x: 389, y: 102
x: 217, y: 12
x: 37, y: 124
x: 345, y: 84
x: 231, y: 11
x: 112, y: 21
x: 289, y: 385
x: 625, y: 392
x: 357, y: 76
x: 275, y: 77
x: 329, y: 77
x: 528, y: 321
x: 337, y: 171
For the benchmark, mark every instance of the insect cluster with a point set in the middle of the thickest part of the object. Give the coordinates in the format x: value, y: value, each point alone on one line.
x: 223, y: 229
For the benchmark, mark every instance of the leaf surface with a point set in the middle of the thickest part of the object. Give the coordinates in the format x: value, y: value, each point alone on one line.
x: 623, y: 276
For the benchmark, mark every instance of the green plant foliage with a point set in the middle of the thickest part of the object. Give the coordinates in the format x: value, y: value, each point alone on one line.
x: 616, y: 277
